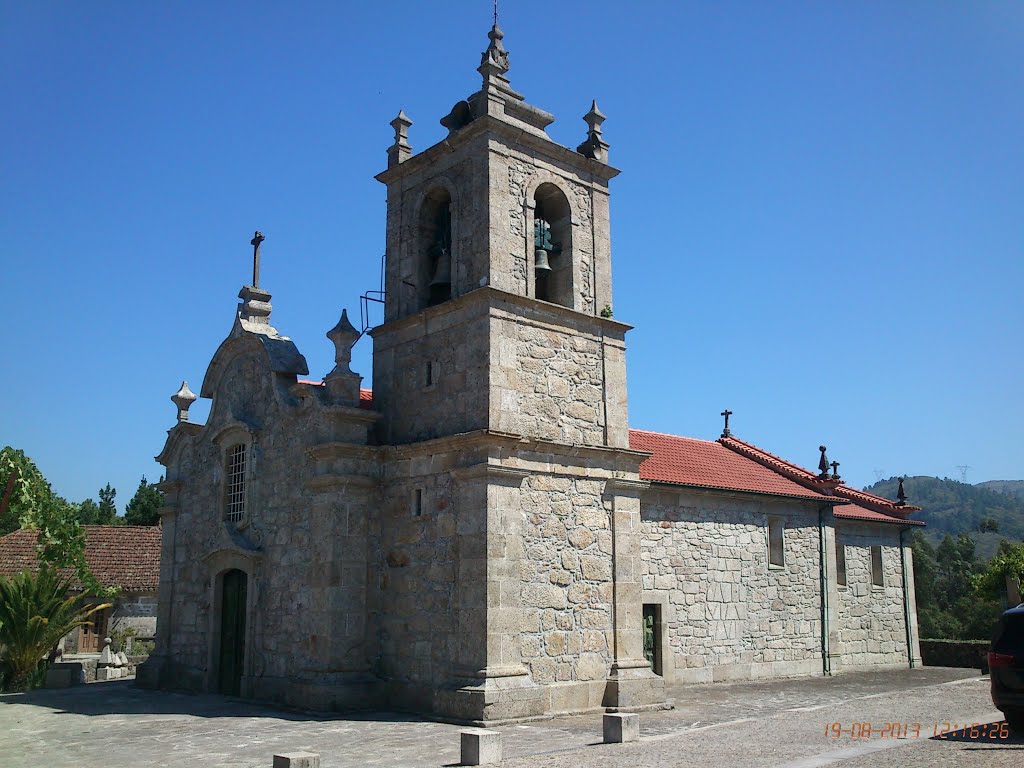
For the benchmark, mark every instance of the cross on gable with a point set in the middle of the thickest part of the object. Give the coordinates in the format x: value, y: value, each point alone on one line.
x: 257, y: 239
x: 727, y: 413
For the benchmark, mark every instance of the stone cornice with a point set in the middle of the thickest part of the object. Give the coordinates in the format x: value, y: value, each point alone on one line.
x: 496, y: 472
x: 704, y: 490
x: 494, y: 297
x: 512, y: 134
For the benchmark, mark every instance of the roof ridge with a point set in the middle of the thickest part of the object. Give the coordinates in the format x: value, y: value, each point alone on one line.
x: 677, y: 437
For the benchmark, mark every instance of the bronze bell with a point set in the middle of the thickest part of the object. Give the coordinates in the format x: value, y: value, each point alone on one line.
x: 443, y: 272
x: 540, y: 260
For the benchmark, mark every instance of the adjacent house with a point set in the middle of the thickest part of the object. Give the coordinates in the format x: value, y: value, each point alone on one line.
x: 122, y: 556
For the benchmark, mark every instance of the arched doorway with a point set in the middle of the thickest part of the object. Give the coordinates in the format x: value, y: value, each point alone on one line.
x: 232, y: 631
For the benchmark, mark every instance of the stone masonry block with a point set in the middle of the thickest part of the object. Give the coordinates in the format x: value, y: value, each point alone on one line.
x: 480, y: 747
x: 297, y: 760
x: 621, y: 727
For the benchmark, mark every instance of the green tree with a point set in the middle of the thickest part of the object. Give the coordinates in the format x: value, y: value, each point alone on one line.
x: 107, y: 508
x: 1007, y: 564
x: 144, y: 506
x: 88, y: 512
x: 29, y: 502
x: 36, y: 611
x: 24, y: 490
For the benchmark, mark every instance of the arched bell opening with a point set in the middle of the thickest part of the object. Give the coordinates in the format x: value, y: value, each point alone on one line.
x: 435, y: 272
x: 552, y: 246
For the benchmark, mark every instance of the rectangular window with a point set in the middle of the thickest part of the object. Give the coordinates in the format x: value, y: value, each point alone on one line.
x: 234, y: 485
x: 776, y: 543
x: 840, y: 564
x: 430, y: 374
x: 876, y: 567
x: 417, y: 502
x: 652, y: 636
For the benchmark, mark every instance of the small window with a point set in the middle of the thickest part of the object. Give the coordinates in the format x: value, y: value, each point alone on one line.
x: 776, y: 544
x: 652, y: 636
x: 417, y: 502
x: 234, y: 483
x: 876, y: 567
x: 840, y: 564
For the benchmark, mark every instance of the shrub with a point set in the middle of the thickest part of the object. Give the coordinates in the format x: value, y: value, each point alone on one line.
x: 36, y: 611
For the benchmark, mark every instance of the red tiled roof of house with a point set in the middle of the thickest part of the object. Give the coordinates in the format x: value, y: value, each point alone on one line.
x: 123, y: 556
x: 688, y: 461
x: 732, y: 464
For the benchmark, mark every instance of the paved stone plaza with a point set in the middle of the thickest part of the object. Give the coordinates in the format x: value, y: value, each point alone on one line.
x: 780, y: 722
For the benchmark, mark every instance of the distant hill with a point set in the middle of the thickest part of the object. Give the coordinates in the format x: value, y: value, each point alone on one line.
x: 954, y: 508
x: 1009, y: 487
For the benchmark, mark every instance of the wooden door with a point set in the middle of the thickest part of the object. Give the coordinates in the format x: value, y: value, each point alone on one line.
x: 90, y: 636
x: 232, y: 631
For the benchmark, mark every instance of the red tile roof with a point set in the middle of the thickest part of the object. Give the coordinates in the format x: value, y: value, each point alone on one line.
x: 732, y: 464
x: 688, y: 461
x: 124, y: 556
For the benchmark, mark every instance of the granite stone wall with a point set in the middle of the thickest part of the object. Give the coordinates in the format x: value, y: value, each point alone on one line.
x: 566, y: 579
x: 729, y: 613
x: 870, y: 622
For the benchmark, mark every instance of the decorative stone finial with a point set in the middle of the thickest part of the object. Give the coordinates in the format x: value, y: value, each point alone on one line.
x: 725, y: 432
x: 901, y: 494
x: 835, y: 470
x: 823, y: 464
x: 494, y: 61
x: 343, y: 335
x: 256, y: 241
x: 400, y: 150
x: 595, y: 146
x: 183, y: 399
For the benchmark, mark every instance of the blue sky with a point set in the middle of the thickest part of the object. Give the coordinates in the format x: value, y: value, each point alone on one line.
x: 818, y: 222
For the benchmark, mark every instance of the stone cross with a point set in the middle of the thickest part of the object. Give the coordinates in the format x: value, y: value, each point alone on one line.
x: 257, y: 239
x: 835, y: 470
x: 727, y: 413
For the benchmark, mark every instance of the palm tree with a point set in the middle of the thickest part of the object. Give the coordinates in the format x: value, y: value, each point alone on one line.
x: 35, y: 613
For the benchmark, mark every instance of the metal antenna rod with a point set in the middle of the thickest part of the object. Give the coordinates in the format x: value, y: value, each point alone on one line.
x: 495, y: 12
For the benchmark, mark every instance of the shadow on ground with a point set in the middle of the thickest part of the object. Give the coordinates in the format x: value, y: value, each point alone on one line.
x: 122, y: 697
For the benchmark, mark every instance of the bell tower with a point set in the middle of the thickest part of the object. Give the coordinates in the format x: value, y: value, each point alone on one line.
x: 495, y: 226
x: 500, y: 379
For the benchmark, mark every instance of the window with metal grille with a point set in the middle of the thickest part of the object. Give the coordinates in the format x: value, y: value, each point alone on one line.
x: 840, y: 564
x: 234, y: 484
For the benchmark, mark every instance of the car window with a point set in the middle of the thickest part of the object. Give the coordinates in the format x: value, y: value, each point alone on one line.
x: 1011, y: 631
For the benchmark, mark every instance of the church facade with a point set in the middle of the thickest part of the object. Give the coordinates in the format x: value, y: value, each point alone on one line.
x: 482, y: 537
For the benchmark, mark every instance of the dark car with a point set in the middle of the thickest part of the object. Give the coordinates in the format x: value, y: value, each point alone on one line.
x: 1006, y: 667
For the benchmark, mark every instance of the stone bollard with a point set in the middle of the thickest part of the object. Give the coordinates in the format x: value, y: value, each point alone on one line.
x: 297, y: 760
x: 621, y: 727
x: 480, y: 747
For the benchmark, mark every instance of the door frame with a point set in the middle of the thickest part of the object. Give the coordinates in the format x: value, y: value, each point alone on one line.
x: 220, y: 563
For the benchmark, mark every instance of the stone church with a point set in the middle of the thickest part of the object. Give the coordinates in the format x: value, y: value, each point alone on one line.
x: 482, y: 538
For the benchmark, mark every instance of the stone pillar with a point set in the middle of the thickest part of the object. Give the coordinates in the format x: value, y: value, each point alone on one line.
x: 632, y: 683
x: 835, y: 655
x: 915, y: 640
x: 498, y: 685
x: 149, y: 674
